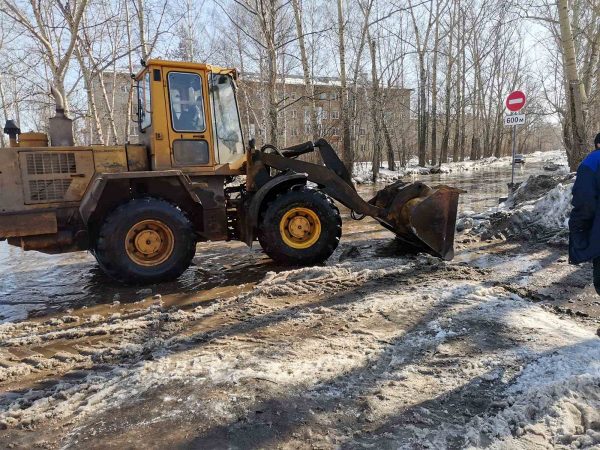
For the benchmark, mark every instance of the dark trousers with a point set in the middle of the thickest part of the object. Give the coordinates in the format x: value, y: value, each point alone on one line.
x: 597, y: 274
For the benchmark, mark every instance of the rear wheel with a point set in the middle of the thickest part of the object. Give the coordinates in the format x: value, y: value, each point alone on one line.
x: 145, y: 241
x: 300, y: 227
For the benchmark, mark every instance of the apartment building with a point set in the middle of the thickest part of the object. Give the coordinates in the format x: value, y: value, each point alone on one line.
x: 294, y: 118
x: 112, y: 101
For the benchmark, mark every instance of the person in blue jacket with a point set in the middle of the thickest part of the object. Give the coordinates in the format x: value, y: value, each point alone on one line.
x: 584, y: 223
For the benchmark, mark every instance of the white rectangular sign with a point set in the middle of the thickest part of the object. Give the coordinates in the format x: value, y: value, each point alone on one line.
x: 514, y: 119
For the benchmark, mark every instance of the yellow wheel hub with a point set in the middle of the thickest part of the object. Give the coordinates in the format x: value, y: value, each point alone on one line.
x: 300, y: 228
x: 149, y: 242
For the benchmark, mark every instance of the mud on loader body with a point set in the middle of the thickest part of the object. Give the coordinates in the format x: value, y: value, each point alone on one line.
x: 141, y: 209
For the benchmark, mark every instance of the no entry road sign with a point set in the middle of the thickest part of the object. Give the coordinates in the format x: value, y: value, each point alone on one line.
x: 515, y: 101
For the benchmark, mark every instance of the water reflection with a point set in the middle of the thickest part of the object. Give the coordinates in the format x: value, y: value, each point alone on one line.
x: 484, y: 186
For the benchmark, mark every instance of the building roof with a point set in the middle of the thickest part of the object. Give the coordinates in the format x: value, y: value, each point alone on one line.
x: 299, y: 80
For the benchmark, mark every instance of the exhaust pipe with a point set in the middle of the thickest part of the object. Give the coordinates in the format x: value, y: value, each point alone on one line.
x: 13, y: 132
x: 60, y: 126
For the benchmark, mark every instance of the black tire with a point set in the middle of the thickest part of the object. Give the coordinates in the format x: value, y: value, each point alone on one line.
x: 270, y: 235
x: 119, y: 262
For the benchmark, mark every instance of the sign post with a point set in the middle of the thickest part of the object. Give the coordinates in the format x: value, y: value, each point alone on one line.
x: 514, y: 103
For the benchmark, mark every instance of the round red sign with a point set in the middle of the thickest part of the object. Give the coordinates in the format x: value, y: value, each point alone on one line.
x: 515, y: 101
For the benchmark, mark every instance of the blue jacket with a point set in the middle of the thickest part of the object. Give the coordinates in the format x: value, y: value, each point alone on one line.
x: 584, y: 223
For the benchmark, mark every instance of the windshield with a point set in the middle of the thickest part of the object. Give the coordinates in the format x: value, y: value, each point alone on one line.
x: 226, y: 119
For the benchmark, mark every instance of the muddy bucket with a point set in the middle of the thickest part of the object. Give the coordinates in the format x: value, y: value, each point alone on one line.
x: 422, y: 217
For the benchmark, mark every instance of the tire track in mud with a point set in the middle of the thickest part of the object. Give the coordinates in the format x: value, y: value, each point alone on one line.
x: 373, y: 359
x: 365, y: 354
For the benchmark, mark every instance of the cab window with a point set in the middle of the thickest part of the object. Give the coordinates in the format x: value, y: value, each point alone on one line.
x: 187, y: 104
x: 190, y: 152
x: 227, y: 128
x: 145, y: 117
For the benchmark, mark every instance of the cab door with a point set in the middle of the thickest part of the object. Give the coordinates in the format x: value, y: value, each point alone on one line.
x: 189, y: 127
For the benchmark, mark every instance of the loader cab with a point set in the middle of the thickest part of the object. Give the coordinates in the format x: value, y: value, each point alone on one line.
x: 188, y: 118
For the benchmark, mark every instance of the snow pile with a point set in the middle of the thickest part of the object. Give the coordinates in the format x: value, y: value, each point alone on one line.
x: 553, y: 209
x: 554, y: 401
x: 534, y: 188
x: 363, y: 170
x: 535, y: 211
x: 363, y: 173
x: 329, y: 279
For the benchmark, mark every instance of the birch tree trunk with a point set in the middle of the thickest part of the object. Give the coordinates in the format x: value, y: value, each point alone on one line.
x: 575, y: 89
x: 458, y: 100
x: 130, y: 67
x: 96, y: 134
x: 347, y: 150
x: 309, y: 90
x: 375, y: 108
x: 448, y: 91
x: 4, y: 112
x: 463, y: 124
x: 268, y: 22
x: 434, y: 88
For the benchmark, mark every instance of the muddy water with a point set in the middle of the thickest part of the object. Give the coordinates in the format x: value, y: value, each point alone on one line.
x: 484, y: 186
x: 33, y: 284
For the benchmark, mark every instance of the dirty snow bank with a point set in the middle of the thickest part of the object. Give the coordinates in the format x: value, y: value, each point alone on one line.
x: 376, y: 350
x: 555, y: 401
x: 363, y: 170
x: 539, y: 209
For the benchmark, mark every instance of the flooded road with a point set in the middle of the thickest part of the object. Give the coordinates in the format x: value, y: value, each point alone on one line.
x: 33, y: 284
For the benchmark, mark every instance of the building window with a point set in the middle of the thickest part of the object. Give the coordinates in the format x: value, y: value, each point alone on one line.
x: 325, y: 114
x: 334, y: 96
x: 294, y: 132
x: 361, y: 131
x: 335, y: 115
x: 323, y: 96
x: 294, y: 114
x: 293, y: 95
x: 335, y: 131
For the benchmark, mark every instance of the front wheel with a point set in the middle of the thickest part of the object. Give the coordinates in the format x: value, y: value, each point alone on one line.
x: 300, y: 227
x: 146, y: 240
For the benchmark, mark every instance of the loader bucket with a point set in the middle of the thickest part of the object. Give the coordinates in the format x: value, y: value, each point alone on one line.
x: 422, y: 217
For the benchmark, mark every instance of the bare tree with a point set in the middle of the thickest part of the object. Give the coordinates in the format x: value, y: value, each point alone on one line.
x: 45, y: 22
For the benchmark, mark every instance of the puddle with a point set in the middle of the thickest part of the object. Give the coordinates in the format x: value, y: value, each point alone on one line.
x: 33, y: 284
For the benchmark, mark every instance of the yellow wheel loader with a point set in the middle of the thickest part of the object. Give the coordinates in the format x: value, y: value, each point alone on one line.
x: 141, y: 209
